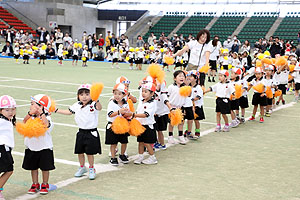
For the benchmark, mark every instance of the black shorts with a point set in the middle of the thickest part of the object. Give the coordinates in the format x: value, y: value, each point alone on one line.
x: 115, y: 60
x: 178, y: 64
x: 234, y: 104
x: 17, y: 56
x: 75, y: 57
x: 139, y: 61
x: 257, y: 99
x: 185, y: 63
x: 282, y: 87
x: 25, y: 57
x: 42, y: 57
x: 213, y: 64
x: 161, y: 122
x: 223, y: 105
x: 225, y: 67
x: 243, y: 102
x: 112, y: 138
x: 165, y: 65
x: 297, y: 86
x: 6, y: 160
x: 200, y: 112
x: 60, y: 58
x: 34, y: 160
x: 151, y: 60
x: 269, y: 101
x: 291, y: 81
x: 88, y: 142
x: 149, y: 136
x: 131, y: 60
x: 188, y: 113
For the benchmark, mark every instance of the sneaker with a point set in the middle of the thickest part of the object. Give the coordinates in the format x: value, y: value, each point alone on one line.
x: 190, y: 136
x: 171, y: 140
x: 150, y: 161
x: 251, y: 118
x: 114, y: 162
x: 283, y: 102
x: 80, y: 172
x: 209, y: 79
x: 130, y: 68
x: 34, y: 189
x: 261, y: 120
x: 156, y: 145
x: 139, y: 160
x: 277, y: 103
x: 268, y: 114
x: 163, y: 147
x: 226, y: 129
x: 1, y: 196
x: 242, y: 120
x: 181, y: 140
x: 218, y: 129
x: 197, y: 135
x: 123, y: 159
x: 213, y: 79
x: 44, y: 189
x: 92, y: 174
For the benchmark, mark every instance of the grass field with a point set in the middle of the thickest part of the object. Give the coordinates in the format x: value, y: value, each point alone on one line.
x: 253, y: 161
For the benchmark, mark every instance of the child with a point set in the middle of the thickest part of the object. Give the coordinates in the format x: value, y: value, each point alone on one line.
x: 26, y: 54
x: 234, y: 103
x: 243, y: 101
x: 87, y: 139
x: 197, y: 99
x: 258, y: 98
x: 131, y: 56
x: 176, y: 101
x: 75, y: 54
x: 42, y: 52
x: 115, y: 58
x: 296, y: 76
x: 39, y: 150
x: 85, y: 56
x: 281, y: 77
x: 126, y: 82
x: 140, y: 57
x: 7, y: 143
x: 117, y: 107
x: 60, y: 54
x: 17, y: 53
x: 224, y: 59
x: 188, y: 111
x: 291, y: 83
x: 269, y: 82
x: 145, y: 114
x: 178, y: 63
x: 152, y: 56
x: 223, y: 91
x: 236, y: 61
x: 167, y: 53
x: 185, y: 58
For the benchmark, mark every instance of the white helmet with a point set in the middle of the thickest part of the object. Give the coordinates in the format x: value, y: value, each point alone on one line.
x: 43, y: 100
x: 7, y: 102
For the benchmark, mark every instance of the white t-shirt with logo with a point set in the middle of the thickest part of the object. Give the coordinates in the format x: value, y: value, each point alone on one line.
x: 195, y: 48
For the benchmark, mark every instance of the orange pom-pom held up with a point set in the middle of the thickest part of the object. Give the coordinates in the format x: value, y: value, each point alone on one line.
x: 273, y: 60
x: 238, y: 91
x: 269, y: 92
x: 281, y: 61
x: 96, y: 90
x: 266, y: 61
x: 176, y: 117
x: 185, y: 91
x: 136, y: 128
x: 278, y: 93
x: 156, y: 72
x: 53, y: 106
x: 259, y: 88
x: 130, y: 104
x: 120, y: 125
x: 32, y: 128
x: 292, y: 68
x: 204, y: 69
x: 258, y: 63
x: 169, y: 60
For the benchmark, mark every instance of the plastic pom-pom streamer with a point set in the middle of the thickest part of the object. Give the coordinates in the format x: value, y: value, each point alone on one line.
x: 96, y: 90
x: 130, y: 104
x: 269, y: 93
x: 238, y: 91
x: 185, y: 91
x: 204, y: 69
x: 267, y: 61
x: 176, y: 117
x: 281, y: 61
x: 32, y: 128
x: 278, y: 93
x: 169, y: 60
x: 156, y: 72
x: 292, y: 68
x: 120, y: 125
x: 136, y: 128
x: 53, y: 106
x: 259, y: 88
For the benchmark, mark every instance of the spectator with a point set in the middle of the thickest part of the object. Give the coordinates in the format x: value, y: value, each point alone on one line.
x: 276, y: 47
x: 25, y: 38
x: 58, y: 38
x: 90, y: 42
x: 227, y: 44
x: 235, y: 46
x: 100, y: 55
x: 84, y: 37
x: 150, y: 24
x: 7, y: 50
x: 107, y: 41
x: 113, y: 40
x: 151, y: 38
x: 298, y: 37
x: 42, y: 34
x: 50, y: 52
x: 9, y: 36
x: 67, y: 40
x: 245, y: 46
x: 101, y: 41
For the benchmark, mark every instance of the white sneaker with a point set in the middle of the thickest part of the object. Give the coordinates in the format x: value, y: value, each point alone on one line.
x: 1, y: 196
x: 181, y: 140
x: 139, y: 160
x: 112, y: 66
x: 130, y: 67
x: 118, y: 67
x: 150, y: 161
x: 80, y: 171
x: 171, y: 140
x: 92, y: 174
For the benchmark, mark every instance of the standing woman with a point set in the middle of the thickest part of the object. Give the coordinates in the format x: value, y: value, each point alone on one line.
x: 58, y: 38
x: 200, y: 52
x: 213, y: 58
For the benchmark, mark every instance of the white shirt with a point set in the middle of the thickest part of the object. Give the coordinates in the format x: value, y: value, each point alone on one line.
x: 197, y: 92
x: 162, y: 97
x: 116, y: 54
x: 178, y: 59
x: 296, y: 75
x: 17, y: 51
x: 75, y: 52
x: 223, y: 90
x: 185, y: 56
x: 112, y: 107
x: 85, y: 53
x: 42, y: 51
x: 175, y: 99
x: 223, y: 61
x: 131, y: 55
x: 195, y: 48
x: 269, y: 83
x: 152, y: 55
x: 149, y: 109
x: 236, y: 63
x: 42, y: 142
x: 86, y: 117
x: 6, y: 133
x: 140, y: 54
x: 60, y: 52
x: 215, y: 51
x: 282, y: 77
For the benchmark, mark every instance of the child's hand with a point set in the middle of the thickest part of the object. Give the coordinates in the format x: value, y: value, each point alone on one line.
x: 123, y: 111
x: 127, y: 115
x: 263, y: 94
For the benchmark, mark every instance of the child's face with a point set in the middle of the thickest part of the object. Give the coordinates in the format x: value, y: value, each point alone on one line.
x: 222, y: 77
x: 127, y: 85
x: 8, y: 112
x: 191, y: 79
x: 35, y: 108
x: 146, y: 94
x: 233, y: 75
x: 84, y: 97
x: 180, y: 78
x: 258, y: 75
x: 234, y: 56
x: 268, y: 72
x: 293, y: 62
x: 118, y: 95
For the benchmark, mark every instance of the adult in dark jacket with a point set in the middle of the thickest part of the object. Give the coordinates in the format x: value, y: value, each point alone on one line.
x: 50, y: 52
x: 7, y: 50
x: 42, y: 34
x: 275, y: 47
x: 9, y: 35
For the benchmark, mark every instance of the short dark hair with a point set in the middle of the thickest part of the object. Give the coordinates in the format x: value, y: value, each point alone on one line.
x: 176, y: 73
x: 83, y: 90
x: 202, y: 32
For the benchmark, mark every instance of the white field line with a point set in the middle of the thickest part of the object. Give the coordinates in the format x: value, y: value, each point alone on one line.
x: 101, y: 168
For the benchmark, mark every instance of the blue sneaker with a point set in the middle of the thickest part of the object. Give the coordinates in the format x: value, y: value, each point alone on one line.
x: 80, y: 171
x: 156, y: 145
x: 92, y: 174
x: 163, y: 147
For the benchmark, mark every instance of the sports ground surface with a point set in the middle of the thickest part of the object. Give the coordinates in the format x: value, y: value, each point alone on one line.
x: 254, y: 161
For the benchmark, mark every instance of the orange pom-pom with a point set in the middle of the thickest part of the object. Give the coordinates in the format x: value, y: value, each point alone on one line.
x: 32, y: 128
x: 130, y: 104
x: 195, y: 116
x: 169, y: 60
x: 281, y: 61
x: 292, y: 68
x: 258, y: 63
x: 238, y: 91
x: 269, y: 92
x: 273, y: 60
x: 120, y: 125
x: 259, y: 88
x: 136, y: 128
x: 278, y: 93
x: 266, y: 61
x: 96, y: 90
x: 156, y: 72
x: 204, y: 69
x: 185, y: 91
x: 176, y: 117
x: 53, y: 106
x: 290, y: 77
